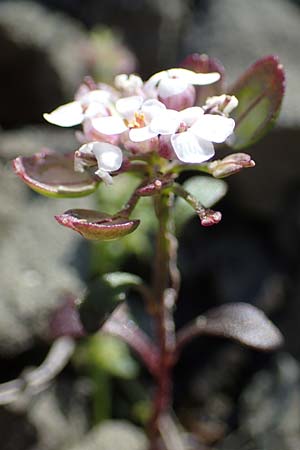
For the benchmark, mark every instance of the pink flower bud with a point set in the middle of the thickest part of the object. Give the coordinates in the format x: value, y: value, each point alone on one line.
x: 209, y: 217
x: 178, y: 101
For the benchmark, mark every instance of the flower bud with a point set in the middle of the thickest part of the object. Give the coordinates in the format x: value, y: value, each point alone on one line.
x: 209, y: 217
x: 231, y: 165
x: 175, y: 94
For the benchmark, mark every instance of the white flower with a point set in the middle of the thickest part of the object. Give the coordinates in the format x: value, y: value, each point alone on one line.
x: 195, y: 144
x: 224, y: 103
x: 127, y: 108
x: 109, y: 158
x: 90, y: 105
x: 174, y: 81
x: 129, y: 84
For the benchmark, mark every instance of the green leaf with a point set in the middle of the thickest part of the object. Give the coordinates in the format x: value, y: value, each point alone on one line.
x: 104, y: 295
x: 96, y: 225
x: 52, y: 174
x: 259, y: 92
x: 113, y: 356
x: 206, y: 190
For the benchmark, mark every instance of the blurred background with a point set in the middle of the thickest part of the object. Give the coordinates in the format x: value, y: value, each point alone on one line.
x: 226, y: 397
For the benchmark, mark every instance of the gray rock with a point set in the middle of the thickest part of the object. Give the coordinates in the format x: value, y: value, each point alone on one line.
x: 35, y: 252
x: 270, y: 410
x: 44, y: 56
x: 111, y: 435
x: 31, y: 139
x: 239, y: 32
x: 52, y: 420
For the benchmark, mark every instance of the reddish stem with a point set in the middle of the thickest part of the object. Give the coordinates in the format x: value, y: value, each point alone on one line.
x: 164, y: 276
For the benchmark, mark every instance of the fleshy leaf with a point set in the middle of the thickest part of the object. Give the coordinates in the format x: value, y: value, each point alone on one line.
x: 241, y: 322
x: 203, y: 64
x: 52, y: 174
x: 259, y: 92
x: 96, y: 225
x: 206, y: 190
x: 104, y: 295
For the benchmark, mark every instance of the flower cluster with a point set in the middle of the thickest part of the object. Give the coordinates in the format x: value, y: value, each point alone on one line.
x: 135, y: 117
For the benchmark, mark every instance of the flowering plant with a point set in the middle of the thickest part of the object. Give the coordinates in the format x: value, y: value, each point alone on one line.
x: 157, y: 129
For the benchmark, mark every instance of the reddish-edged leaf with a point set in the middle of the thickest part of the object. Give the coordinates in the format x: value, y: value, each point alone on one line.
x: 241, y: 322
x: 96, y: 225
x: 203, y: 64
x: 52, y: 174
x: 259, y: 91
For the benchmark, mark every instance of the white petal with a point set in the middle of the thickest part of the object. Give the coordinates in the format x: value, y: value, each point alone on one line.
x: 109, y: 157
x: 130, y: 83
x: 233, y: 103
x: 109, y: 125
x: 202, y: 79
x: 194, y: 78
x: 127, y: 106
x: 105, y: 176
x: 171, y: 86
x: 66, y: 115
x: 166, y: 122
x: 94, y: 109
x: 190, y: 148
x: 190, y: 115
x: 141, y: 134
x: 98, y: 95
x: 150, y: 108
x: 213, y: 127
x: 153, y: 81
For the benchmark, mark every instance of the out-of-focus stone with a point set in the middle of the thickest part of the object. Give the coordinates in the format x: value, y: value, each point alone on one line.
x: 44, y: 56
x: 238, y: 33
x: 36, y: 266
x: 270, y: 409
x: 29, y: 140
x: 53, y: 419
x: 111, y: 435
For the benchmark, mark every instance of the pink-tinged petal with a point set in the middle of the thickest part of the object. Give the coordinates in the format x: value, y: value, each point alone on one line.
x: 95, y: 225
x: 97, y: 95
x: 95, y: 109
x: 109, y: 125
x: 191, y: 149
x: 190, y: 115
x: 182, y: 100
x: 150, y: 108
x: 141, y: 134
x: 109, y: 157
x: 166, y: 122
x: 52, y: 174
x: 171, y: 86
x: 127, y: 106
x: 213, y: 127
x: 66, y: 115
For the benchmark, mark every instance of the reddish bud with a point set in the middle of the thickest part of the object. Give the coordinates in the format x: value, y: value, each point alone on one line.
x: 209, y: 217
